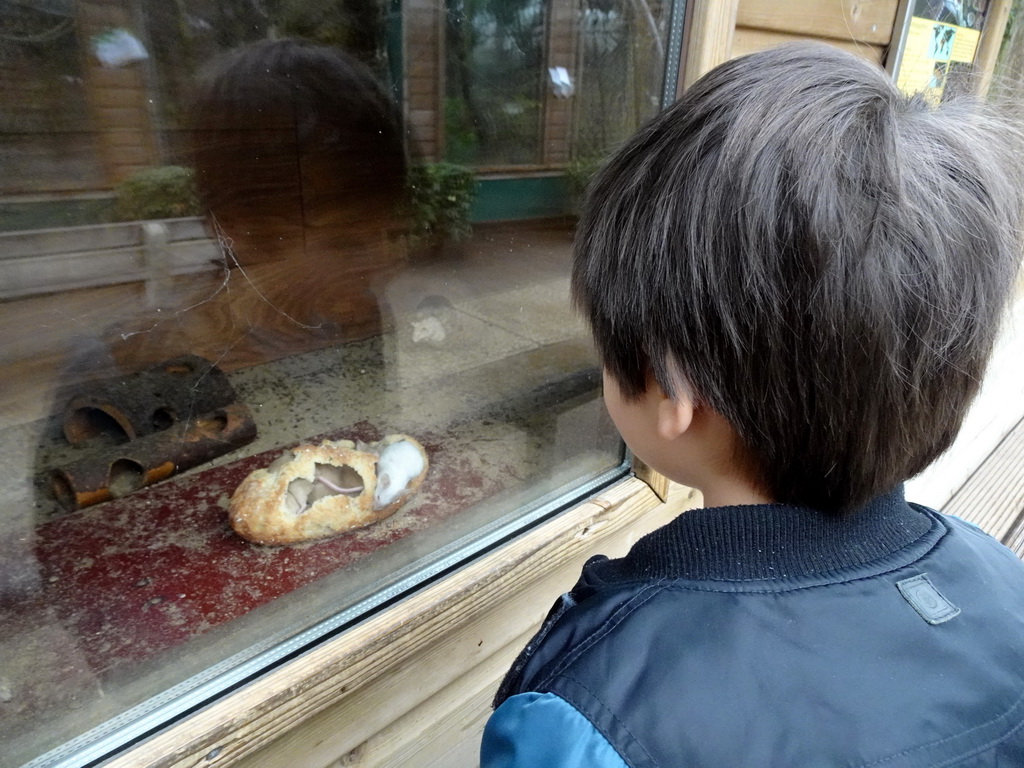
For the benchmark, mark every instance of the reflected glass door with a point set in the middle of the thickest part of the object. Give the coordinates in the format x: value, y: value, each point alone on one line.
x: 494, y: 91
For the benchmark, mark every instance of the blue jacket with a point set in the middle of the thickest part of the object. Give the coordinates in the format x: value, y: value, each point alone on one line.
x: 778, y: 636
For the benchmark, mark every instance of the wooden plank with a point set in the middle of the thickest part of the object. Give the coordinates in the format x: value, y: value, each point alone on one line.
x: 122, y: 170
x: 33, y: 276
x: 867, y: 21
x: 193, y: 256
x: 138, y: 156
x: 710, y: 37
x: 116, y: 78
x: 991, y: 41
x: 93, y: 237
x: 420, y: 14
x: 993, y: 497
x: 421, y: 117
x: 118, y: 97
x: 438, y: 33
x: 430, y: 635
x: 422, y: 48
x: 116, y: 139
x: 656, y: 481
x: 125, y: 117
x: 425, y: 140
x: 102, y: 15
x: 421, y: 110
x: 378, y: 721
x: 187, y: 228
x: 42, y: 185
x: 62, y: 272
x: 558, y: 118
x: 422, y: 86
x: 423, y: 68
x: 750, y: 40
x: 40, y: 242
x: 446, y: 729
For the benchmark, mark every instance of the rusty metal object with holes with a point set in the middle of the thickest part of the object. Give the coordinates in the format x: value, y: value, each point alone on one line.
x: 122, y: 469
x: 146, y: 402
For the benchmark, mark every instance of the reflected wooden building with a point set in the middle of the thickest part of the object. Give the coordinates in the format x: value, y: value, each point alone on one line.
x: 77, y: 126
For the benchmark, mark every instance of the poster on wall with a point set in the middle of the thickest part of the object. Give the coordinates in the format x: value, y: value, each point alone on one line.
x: 940, y: 41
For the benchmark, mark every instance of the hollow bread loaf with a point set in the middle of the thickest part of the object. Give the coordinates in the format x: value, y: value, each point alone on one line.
x: 317, y: 491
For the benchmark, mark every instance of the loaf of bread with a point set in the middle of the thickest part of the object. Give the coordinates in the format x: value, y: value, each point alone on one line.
x: 317, y: 491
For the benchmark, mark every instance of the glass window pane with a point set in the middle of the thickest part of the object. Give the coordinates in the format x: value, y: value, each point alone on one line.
x: 494, y: 97
x: 621, y: 63
x: 226, y: 236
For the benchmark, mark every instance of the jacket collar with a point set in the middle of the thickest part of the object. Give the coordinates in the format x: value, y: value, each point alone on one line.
x: 770, y: 541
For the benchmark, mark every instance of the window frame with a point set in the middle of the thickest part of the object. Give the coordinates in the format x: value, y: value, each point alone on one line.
x: 367, y: 659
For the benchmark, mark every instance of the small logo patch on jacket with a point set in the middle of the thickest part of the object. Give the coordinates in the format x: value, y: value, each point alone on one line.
x: 927, y: 600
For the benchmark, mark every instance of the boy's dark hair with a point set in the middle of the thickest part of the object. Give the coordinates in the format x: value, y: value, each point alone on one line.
x: 823, y: 259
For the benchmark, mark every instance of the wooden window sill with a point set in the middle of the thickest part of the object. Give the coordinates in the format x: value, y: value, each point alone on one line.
x: 412, y: 685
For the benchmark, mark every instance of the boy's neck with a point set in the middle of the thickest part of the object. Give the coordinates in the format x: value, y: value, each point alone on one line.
x: 708, y: 458
x: 731, y: 491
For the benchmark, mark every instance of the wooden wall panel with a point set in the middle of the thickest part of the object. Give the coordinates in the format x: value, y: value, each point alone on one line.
x: 723, y: 29
x: 423, y: 31
x: 867, y: 21
x: 563, y: 35
x: 46, y: 143
x: 709, y: 37
x: 117, y: 96
x: 749, y: 40
x: 991, y: 41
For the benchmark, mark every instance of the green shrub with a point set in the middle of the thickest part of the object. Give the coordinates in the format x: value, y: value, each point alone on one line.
x: 441, y: 196
x: 578, y: 174
x: 167, y: 192
x: 461, y: 143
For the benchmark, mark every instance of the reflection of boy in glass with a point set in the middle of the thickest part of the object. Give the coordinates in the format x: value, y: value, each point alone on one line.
x: 794, y: 277
x: 297, y: 147
x: 300, y: 161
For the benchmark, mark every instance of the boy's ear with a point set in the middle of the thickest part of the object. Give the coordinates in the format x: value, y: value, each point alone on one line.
x: 675, y: 414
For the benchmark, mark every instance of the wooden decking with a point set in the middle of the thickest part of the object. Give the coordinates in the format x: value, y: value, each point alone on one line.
x: 981, y: 477
x: 993, y: 497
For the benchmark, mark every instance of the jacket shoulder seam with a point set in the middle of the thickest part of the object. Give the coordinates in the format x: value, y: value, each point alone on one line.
x: 579, y: 707
x: 616, y: 618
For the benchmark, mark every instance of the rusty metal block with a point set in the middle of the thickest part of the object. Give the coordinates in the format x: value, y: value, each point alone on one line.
x: 119, y: 470
x: 146, y: 402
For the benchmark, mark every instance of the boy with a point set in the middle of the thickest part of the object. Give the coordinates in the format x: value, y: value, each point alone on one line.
x: 794, y: 277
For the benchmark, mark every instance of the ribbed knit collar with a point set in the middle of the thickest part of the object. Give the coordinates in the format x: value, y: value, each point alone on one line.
x: 767, y: 541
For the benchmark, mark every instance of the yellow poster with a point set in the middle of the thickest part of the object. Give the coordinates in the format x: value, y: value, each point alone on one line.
x: 931, y: 49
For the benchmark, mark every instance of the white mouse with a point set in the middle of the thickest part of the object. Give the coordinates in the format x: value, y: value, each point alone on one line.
x: 399, y: 463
